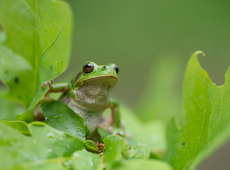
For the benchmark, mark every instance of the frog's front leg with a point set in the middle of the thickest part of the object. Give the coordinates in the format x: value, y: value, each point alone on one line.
x: 116, y: 118
x: 55, y: 88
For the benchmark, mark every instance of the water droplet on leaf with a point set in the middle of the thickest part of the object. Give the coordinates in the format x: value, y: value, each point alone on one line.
x: 50, y: 134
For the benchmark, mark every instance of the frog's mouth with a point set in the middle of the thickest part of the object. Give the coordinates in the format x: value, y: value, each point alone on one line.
x: 106, y: 82
x: 103, y: 78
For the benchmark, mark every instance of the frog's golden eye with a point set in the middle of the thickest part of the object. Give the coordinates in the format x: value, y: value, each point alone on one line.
x: 116, y: 69
x: 88, y: 68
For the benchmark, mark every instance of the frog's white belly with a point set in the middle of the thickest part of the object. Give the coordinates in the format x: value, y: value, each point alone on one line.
x: 92, y: 99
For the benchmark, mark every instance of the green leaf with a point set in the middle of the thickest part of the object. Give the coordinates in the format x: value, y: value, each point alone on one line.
x: 206, y: 109
x: 91, y: 146
x: 60, y: 116
x: 38, y: 46
x: 15, y: 71
x: 143, y: 165
x: 86, y: 160
x: 52, y: 164
x: 19, y: 126
x: 140, y: 151
x: 9, y: 109
x: 3, y: 37
x: 115, y: 147
x: 45, y: 148
x: 103, y: 133
x: 151, y: 133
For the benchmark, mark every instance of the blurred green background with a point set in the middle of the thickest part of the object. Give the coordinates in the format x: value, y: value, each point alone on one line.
x: 151, y: 42
x: 137, y: 34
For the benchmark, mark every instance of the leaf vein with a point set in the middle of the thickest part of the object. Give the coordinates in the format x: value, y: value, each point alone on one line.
x: 202, y: 127
x: 201, y: 132
x: 200, y: 79
x: 30, y: 9
x: 52, y: 42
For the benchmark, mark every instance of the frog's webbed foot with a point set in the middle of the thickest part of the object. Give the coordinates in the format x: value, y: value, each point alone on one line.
x: 101, y: 146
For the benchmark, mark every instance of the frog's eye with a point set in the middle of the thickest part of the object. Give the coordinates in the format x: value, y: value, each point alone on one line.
x: 88, y: 68
x: 116, y: 69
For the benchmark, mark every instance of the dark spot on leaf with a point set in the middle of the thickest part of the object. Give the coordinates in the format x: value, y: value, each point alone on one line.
x: 16, y: 79
x: 66, y: 128
x: 19, y: 97
x: 6, y: 71
x: 39, y: 116
x: 183, y: 143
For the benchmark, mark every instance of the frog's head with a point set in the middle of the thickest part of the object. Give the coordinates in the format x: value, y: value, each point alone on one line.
x: 103, y: 75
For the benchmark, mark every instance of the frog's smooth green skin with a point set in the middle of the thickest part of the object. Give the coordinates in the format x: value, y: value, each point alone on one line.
x: 87, y: 93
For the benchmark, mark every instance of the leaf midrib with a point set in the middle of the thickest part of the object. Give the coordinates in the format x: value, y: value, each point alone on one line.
x: 193, y: 157
x: 202, y: 127
x: 36, y: 50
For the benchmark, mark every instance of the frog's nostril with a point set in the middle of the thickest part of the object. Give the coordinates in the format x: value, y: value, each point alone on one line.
x: 104, y: 66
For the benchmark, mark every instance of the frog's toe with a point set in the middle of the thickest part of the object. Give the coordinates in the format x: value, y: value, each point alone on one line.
x: 47, y: 83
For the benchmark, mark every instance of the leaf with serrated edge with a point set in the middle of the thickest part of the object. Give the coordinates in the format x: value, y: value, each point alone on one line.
x: 39, y: 32
x: 206, y: 109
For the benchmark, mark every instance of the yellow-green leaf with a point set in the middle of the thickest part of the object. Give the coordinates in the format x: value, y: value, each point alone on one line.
x: 206, y: 110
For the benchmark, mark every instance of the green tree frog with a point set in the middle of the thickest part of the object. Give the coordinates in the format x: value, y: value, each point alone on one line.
x: 87, y: 93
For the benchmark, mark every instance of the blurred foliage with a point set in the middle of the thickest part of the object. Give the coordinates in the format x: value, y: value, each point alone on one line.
x: 150, y: 41
x: 161, y: 99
